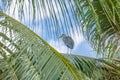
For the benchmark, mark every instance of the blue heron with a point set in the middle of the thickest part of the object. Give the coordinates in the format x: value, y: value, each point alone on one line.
x: 68, y: 41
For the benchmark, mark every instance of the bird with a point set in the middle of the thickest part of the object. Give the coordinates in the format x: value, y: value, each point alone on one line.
x: 68, y: 41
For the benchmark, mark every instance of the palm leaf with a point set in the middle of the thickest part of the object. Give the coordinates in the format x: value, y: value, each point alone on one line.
x: 96, y: 69
x: 100, y: 21
x: 89, y: 66
x: 29, y: 57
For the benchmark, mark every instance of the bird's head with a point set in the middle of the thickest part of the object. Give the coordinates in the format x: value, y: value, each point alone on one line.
x: 62, y: 36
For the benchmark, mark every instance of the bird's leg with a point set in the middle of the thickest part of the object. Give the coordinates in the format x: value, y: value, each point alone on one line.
x: 70, y: 51
x: 67, y: 50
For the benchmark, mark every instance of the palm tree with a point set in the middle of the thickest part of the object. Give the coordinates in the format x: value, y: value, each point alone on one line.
x: 26, y: 56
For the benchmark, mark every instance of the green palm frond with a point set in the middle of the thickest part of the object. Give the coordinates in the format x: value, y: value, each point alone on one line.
x: 89, y: 66
x: 96, y: 69
x: 29, y: 57
x: 101, y: 21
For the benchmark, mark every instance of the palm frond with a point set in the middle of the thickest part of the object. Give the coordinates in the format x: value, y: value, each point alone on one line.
x: 100, y: 21
x: 89, y: 66
x: 29, y: 57
x: 96, y: 69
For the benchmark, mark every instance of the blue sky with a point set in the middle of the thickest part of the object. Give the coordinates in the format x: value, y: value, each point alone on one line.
x: 65, y: 23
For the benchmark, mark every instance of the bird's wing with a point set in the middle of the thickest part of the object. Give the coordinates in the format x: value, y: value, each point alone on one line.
x: 69, y: 42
